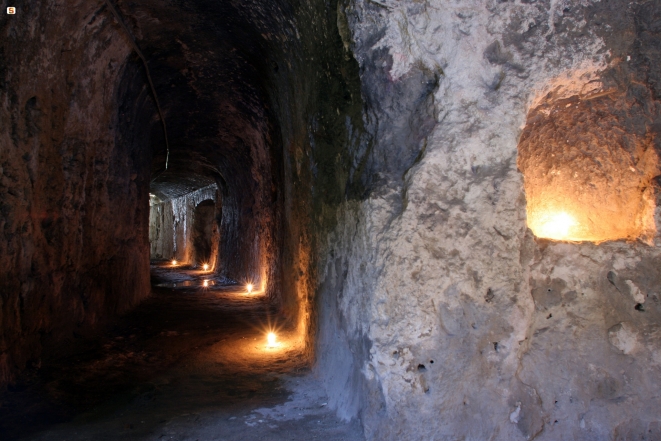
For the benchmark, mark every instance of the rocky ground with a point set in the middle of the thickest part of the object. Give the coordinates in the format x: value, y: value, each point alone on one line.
x: 190, y: 363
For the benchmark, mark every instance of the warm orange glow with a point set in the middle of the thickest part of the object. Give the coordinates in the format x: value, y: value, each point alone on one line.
x: 174, y: 262
x: 205, y: 266
x: 249, y: 288
x: 557, y: 225
x: 271, y: 339
x: 205, y: 283
x: 588, y: 175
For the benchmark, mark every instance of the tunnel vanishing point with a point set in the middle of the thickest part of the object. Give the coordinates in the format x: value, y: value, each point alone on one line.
x: 454, y: 205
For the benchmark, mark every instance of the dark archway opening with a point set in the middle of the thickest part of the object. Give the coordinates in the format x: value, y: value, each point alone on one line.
x: 205, y: 231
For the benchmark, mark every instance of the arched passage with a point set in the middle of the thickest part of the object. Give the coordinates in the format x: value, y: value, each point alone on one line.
x: 364, y: 151
x: 205, y: 232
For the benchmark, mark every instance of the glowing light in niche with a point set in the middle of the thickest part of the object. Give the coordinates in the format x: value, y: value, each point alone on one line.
x: 587, y: 181
x: 205, y: 266
x: 249, y: 288
x: 271, y: 340
x: 553, y: 225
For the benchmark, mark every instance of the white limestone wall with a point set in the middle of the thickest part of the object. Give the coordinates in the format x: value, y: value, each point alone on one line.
x: 447, y: 319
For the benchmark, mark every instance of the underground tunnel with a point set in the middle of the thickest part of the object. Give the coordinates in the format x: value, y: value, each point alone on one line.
x: 330, y: 219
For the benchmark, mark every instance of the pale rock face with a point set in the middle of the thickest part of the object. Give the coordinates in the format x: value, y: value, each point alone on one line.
x: 623, y: 337
x: 458, y: 323
x: 638, y: 297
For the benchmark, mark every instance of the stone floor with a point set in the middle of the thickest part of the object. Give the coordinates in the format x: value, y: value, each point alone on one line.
x: 190, y: 363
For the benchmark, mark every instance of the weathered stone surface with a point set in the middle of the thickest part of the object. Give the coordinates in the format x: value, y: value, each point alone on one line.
x: 366, y: 155
x: 623, y: 337
x: 437, y: 263
x: 74, y: 178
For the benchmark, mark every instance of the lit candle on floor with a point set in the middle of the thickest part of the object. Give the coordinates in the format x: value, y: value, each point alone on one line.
x: 205, y: 283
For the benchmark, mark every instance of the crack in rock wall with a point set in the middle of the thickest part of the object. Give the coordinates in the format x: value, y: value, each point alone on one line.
x: 441, y: 316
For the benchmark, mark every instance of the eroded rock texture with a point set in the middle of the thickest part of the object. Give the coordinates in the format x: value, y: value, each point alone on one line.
x: 367, y: 159
x: 592, y: 157
x: 74, y: 178
x: 456, y: 322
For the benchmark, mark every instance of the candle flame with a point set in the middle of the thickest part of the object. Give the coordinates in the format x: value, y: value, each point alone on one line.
x: 249, y: 288
x: 174, y: 262
x: 205, y: 283
x: 205, y: 266
x: 270, y: 338
x: 554, y: 225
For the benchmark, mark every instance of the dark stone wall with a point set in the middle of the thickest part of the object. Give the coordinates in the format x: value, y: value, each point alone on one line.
x: 74, y: 177
x: 315, y: 96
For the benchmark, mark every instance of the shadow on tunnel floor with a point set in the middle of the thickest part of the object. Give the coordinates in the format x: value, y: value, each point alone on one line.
x: 184, y: 349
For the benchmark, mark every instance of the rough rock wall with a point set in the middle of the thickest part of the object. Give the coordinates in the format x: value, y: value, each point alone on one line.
x: 314, y: 100
x: 171, y: 232
x: 161, y: 231
x: 441, y: 316
x: 73, y: 184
